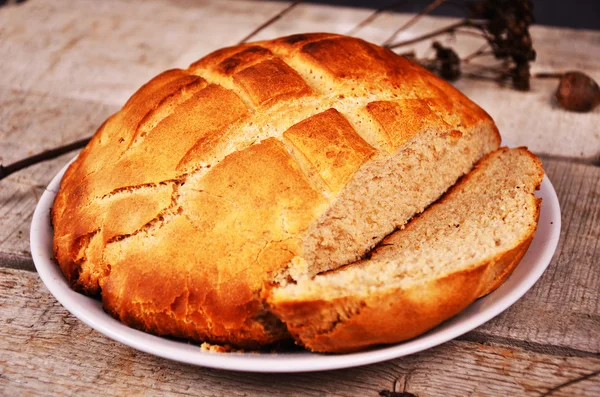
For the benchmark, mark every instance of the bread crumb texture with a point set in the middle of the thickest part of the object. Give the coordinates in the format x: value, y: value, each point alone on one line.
x: 271, y: 162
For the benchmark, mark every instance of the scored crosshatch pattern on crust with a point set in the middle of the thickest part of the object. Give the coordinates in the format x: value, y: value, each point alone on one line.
x: 331, y: 145
x: 163, y: 159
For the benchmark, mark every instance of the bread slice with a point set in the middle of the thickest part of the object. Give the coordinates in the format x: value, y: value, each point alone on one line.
x: 459, y: 249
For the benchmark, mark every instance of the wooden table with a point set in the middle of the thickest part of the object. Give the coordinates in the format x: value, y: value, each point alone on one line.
x: 67, y: 65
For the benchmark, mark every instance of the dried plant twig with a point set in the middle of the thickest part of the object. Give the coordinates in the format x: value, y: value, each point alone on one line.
x: 373, y: 16
x: 44, y: 156
x: 505, y: 28
x: 448, y: 29
x: 548, y: 75
x: 473, y: 33
x: 572, y: 381
x: 270, y: 21
x: 435, y: 4
x: 480, y: 51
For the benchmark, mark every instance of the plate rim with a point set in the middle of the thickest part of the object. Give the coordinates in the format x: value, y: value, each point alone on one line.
x: 181, y: 351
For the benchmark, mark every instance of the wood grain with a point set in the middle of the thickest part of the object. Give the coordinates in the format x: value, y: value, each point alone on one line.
x: 563, y: 308
x: 67, y: 65
x: 32, y: 123
x: 44, y: 350
x: 104, y: 51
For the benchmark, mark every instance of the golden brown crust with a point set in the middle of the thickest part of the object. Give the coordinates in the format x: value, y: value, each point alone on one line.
x: 348, y: 324
x: 198, y: 275
x: 186, y: 201
x: 331, y: 145
x: 271, y: 80
x: 402, y: 120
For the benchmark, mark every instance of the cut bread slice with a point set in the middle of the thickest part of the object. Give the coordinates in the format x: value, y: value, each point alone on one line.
x: 461, y: 248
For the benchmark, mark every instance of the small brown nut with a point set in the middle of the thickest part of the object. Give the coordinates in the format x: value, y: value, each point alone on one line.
x: 578, y: 92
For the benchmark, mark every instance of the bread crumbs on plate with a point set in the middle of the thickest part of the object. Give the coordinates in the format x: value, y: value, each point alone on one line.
x: 220, y: 348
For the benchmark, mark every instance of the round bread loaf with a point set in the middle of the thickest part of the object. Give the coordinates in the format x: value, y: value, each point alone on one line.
x: 259, y: 163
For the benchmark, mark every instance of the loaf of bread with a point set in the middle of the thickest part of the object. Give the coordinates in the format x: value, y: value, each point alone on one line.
x: 461, y: 248
x: 260, y: 164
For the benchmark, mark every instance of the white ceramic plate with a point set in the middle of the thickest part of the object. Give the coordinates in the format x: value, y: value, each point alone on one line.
x: 90, y: 310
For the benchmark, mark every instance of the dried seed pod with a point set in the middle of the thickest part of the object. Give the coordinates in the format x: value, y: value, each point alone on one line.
x: 577, y: 92
x: 520, y: 76
x: 448, y: 62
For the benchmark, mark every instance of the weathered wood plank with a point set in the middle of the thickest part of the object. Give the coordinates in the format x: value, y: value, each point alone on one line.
x: 46, y: 351
x: 58, y: 87
x: 104, y: 51
x: 33, y: 123
x: 563, y: 308
x: 16, y: 261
